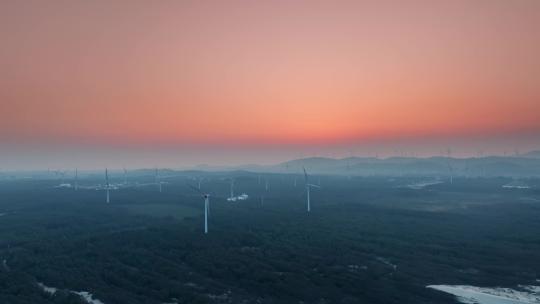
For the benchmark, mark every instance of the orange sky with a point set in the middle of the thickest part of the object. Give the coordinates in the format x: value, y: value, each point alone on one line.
x: 254, y: 72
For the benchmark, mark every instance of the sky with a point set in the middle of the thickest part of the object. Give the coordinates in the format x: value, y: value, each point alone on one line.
x: 179, y: 83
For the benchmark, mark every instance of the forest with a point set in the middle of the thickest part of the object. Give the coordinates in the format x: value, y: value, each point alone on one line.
x: 367, y: 239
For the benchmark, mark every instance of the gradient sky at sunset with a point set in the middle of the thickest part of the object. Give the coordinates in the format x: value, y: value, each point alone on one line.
x: 176, y: 83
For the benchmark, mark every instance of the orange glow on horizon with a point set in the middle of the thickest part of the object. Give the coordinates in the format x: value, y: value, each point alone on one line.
x: 256, y: 73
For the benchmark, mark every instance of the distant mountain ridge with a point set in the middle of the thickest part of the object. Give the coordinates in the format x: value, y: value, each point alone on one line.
x: 523, y: 165
x: 533, y: 154
x: 485, y: 166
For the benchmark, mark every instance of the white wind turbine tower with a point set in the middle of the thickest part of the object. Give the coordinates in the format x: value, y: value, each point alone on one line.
x: 308, y: 187
x: 348, y: 168
x: 156, y: 178
x: 107, y: 185
x: 450, y: 169
x: 232, y: 188
x: 262, y: 198
x: 125, y: 176
x: 206, y: 197
x: 76, y: 179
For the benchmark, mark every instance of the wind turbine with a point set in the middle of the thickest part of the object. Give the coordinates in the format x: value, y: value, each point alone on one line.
x: 61, y: 175
x: 308, y: 187
x: 450, y: 169
x: 107, y: 185
x: 451, y: 173
x: 125, y: 176
x: 348, y: 168
x: 206, y: 197
x: 232, y: 188
x: 262, y: 192
x: 156, y: 178
x: 76, y: 179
